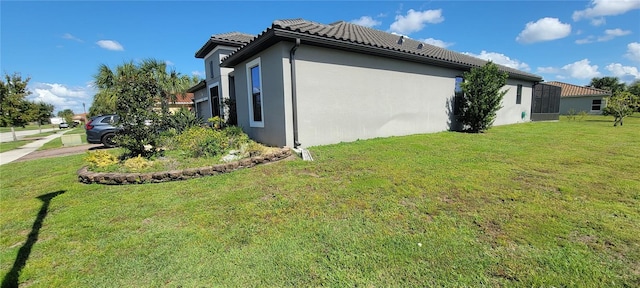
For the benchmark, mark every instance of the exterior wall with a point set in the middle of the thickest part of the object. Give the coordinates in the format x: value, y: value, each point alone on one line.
x: 579, y: 104
x: 275, y: 90
x: 201, y: 100
x: 511, y: 112
x: 220, y: 75
x: 343, y: 96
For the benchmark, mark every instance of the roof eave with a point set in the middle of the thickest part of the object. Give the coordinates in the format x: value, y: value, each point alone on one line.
x: 197, y: 87
x: 274, y: 35
x: 211, y: 44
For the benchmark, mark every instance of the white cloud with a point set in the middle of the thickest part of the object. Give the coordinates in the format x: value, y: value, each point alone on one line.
x: 366, y: 21
x: 633, y: 51
x: 169, y: 63
x: 544, y: 29
x: 609, y: 34
x: 623, y: 72
x: 547, y: 70
x: 581, y: 69
x: 197, y: 73
x: 501, y: 59
x: 415, y: 20
x: 598, y: 21
x: 436, y: 42
x: 63, y: 97
x: 600, y: 8
x: 110, y: 45
x: 589, y: 39
x: 613, y: 33
x: 71, y: 37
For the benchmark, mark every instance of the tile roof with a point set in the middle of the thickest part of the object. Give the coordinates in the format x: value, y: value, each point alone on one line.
x: 233, y: 39
x: 570, y: 90
x: 184, y: 98
x: 364, y: 37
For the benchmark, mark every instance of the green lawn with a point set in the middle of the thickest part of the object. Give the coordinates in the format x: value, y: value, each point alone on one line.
x: 6, y: 146
x: 27, y: 127
x: 536, y: 204
x: 57, y: 143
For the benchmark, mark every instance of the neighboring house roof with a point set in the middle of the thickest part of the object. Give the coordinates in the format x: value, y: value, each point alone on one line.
x: 201, y: 85
x: 570, y: 90
x: 352, y: 37
x: 185, y: 98
x: 233, y: 39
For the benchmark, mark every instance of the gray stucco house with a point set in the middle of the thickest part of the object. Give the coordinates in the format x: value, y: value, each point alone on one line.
x: 581, y: 98
x: 302, y: 83
x: 210, y: 94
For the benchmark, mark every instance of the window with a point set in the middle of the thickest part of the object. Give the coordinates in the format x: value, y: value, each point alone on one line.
x: 458, y: 97
x: 596, y: 105
x: 254, y: 85
x: 210, y: 68
x: 519, y: 94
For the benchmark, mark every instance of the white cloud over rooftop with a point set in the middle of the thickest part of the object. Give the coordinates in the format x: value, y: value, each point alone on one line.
x: 415, y: 21
x: 545, y: 29
x: 366, y: 21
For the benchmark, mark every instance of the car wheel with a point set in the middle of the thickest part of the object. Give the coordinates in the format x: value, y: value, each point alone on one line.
x: 108, y: 141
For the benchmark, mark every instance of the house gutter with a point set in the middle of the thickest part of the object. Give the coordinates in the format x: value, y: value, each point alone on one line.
x: 294, y: 100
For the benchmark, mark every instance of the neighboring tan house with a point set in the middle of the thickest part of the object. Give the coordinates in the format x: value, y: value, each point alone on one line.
x: 211, y: 93
x: 305, y: 83
x: 580, y: 98
x: 184, y: 100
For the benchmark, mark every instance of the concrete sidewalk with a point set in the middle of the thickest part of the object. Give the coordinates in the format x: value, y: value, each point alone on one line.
x: 15, y: 154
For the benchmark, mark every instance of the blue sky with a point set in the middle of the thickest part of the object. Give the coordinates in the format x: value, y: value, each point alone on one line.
x: 60, y: 44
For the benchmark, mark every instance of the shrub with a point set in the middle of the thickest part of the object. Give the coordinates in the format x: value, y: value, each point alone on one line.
x: 182, y: 120
x: 482, y: 97
x: 137, y: 163
x: 100, y: 159
x: 201, y: 141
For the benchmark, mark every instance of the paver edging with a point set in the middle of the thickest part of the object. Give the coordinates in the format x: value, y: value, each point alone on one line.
x: 89, y: 177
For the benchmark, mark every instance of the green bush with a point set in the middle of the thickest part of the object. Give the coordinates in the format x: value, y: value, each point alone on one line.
x: 207, y: 142
x: 100, y: 159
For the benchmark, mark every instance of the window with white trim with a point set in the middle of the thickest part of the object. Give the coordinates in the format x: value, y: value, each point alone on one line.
x: 596, y: 105
x: 519, y: 94
x: 254, y: 88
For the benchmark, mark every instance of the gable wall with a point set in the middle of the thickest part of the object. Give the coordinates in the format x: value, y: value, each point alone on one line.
x: 580, y: 104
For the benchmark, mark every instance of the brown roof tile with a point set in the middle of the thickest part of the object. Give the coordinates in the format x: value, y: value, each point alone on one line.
x: 360, y: 35
x: 570, y: 90
x: 234, y: 39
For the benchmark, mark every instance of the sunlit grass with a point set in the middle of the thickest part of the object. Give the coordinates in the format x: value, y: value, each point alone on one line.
x: 536, y: 204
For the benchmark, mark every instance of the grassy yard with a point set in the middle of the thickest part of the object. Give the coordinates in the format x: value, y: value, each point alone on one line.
x: 57, y: 143
x: 27, y: 127
x: 6, y: 146
x: 536, y: 204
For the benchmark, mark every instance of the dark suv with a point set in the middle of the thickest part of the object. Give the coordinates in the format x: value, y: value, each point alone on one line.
x: 102, y: 129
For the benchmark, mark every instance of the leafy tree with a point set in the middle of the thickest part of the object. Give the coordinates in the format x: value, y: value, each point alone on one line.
x: 14, y: 108
x: 620, y: 105
x: 608, y: 83
x: 42, y: 113
x: 67, y: 115
x: 172, y: 83
x: 634, y: 89
x: 481, y: 97
x: 104, y: 102
x: 141, y: 94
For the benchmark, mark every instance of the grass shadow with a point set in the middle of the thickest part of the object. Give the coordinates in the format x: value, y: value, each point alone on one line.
x: 11, y: 279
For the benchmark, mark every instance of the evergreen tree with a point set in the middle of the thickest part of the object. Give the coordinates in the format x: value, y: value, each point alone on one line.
x: 481, y: 97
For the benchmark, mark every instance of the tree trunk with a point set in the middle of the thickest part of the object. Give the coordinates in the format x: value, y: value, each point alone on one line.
x: 13, y: 132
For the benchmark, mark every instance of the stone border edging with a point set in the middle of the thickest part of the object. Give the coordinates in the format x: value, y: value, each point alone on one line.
x: 88, y: 177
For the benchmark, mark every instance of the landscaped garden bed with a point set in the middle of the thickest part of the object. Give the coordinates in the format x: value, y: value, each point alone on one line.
x: 116, y: 178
